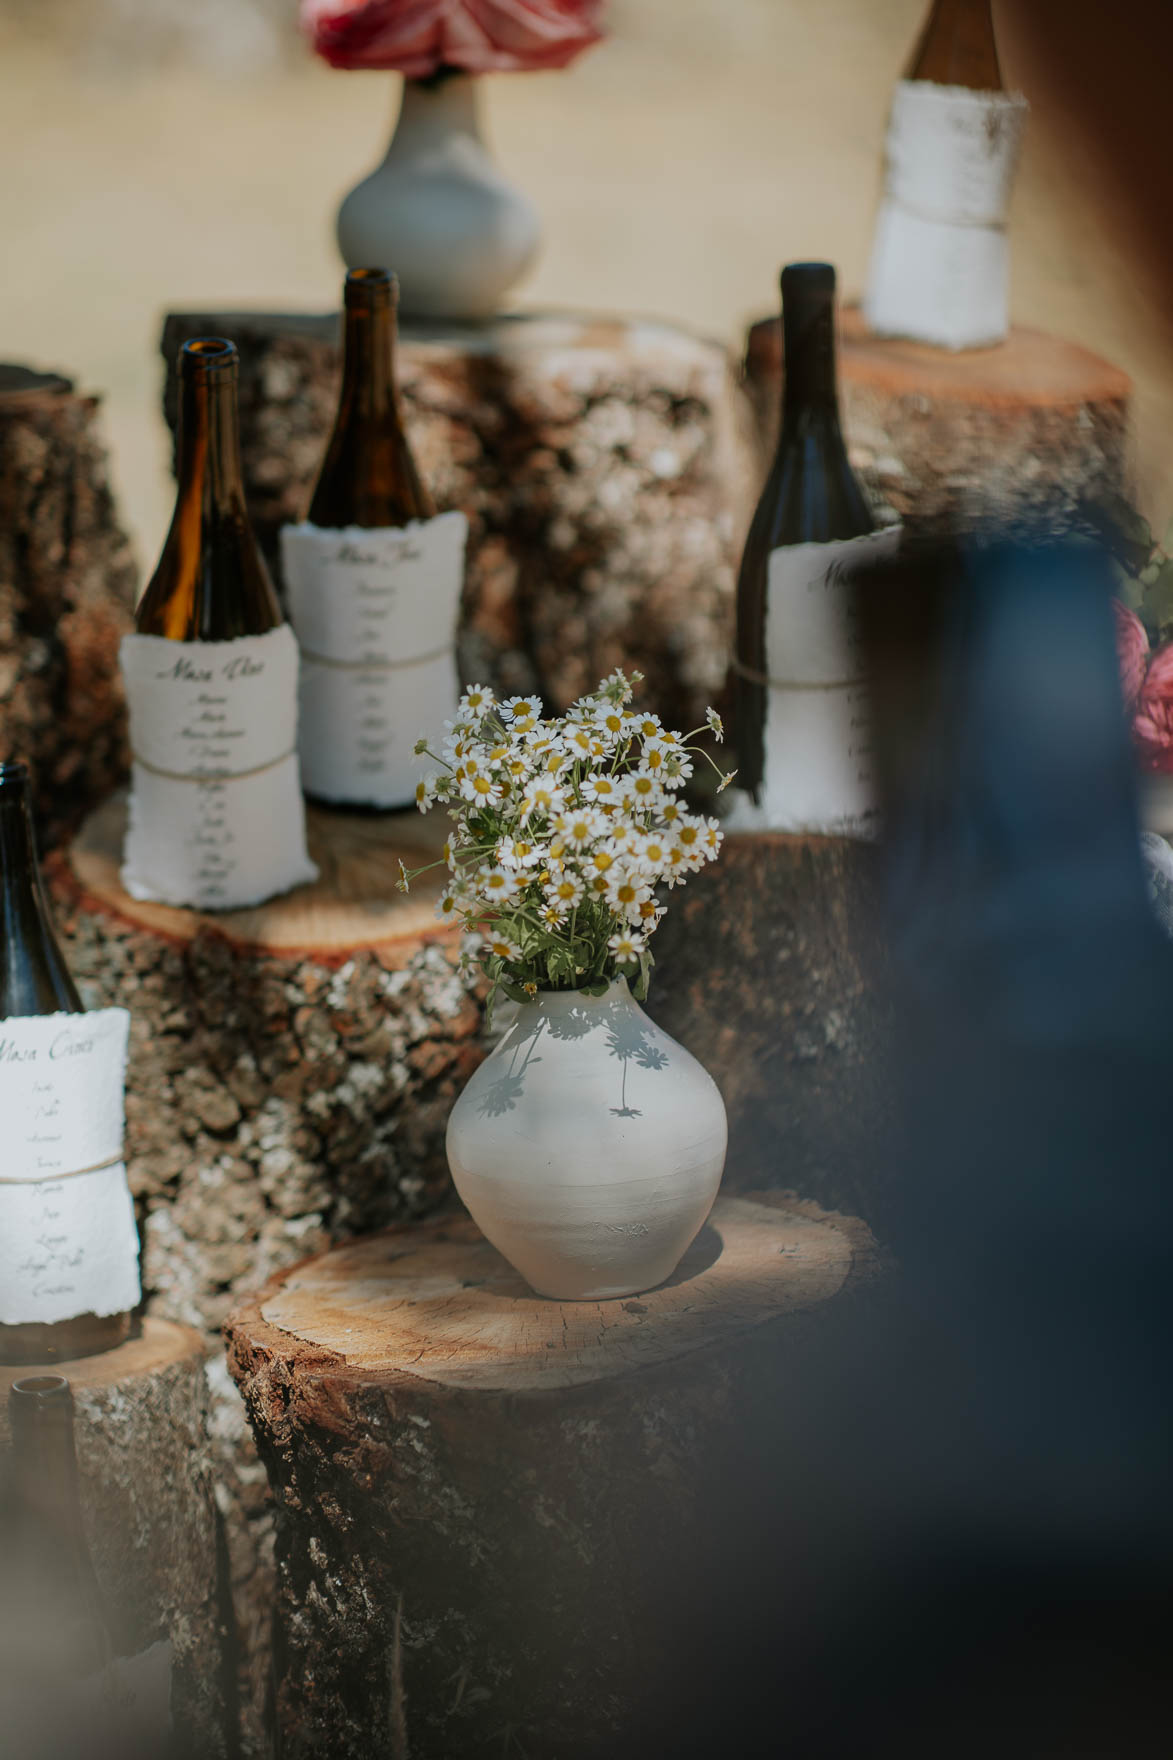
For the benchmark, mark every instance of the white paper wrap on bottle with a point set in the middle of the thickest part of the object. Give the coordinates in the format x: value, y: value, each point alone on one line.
x: 939, y: 269
x: 68, y: 1243
x: 375, y: 612
x: 817, y: 774
x: 217, y: 818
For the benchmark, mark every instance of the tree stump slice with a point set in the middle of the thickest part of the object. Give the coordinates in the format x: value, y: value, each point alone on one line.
x: 600, y: 461
x: 767, y: 968
x: 478, y: 1489
x: 1028, y: 430
x: 67, y: 586
x: 147, y: 1497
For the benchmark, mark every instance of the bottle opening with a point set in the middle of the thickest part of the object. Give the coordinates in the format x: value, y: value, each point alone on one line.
x: 206, y: 354
x: 370, y: 287
x: 39, y: 1388
x: 808, y: 278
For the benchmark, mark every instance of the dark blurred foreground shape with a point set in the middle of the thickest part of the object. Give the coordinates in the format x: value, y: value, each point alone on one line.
x: 953, y: 1536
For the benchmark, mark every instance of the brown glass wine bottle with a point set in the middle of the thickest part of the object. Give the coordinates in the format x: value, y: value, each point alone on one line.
x: 811, y: 497
x: 957, y: 47
x: 34, y: 980
x: 368, y: 477
x: 211, y: 583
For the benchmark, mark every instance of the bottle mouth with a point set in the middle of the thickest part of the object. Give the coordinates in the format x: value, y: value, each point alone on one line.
x: 208, y: 354
x: 40, y: 1386
x: 370, y: 287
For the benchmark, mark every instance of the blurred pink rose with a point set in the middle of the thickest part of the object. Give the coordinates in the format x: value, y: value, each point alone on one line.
x: 1152, y: 724
x: 1132, y: 647
x: 416, y: 37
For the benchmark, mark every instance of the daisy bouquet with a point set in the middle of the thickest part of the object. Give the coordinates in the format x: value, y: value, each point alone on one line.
x: 566, y: 831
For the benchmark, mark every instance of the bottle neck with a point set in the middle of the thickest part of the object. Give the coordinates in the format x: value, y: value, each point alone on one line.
x: 368, y: 367
x: 208, y: 463
x: 33, y: 976
x: 957, y: 47
x: 440, y: 118
x: 810, y: 393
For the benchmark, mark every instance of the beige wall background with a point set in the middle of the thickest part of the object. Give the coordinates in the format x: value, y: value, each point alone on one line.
x: 161, y: 154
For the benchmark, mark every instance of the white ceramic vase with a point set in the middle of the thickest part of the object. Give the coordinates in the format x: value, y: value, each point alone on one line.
x: 438, y: 212
x: 588, y: 1146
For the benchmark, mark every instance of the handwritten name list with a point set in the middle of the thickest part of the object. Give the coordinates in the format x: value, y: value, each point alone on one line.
x: 375, y: 613
x: 216, y: 814
x: 68, y: 1244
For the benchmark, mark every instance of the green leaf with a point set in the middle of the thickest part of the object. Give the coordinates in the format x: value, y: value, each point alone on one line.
x: 598, y: 988
x: 514, y: 991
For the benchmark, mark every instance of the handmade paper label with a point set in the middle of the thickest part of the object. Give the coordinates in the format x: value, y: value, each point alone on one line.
x: 68, y: 1243
x: 939, y: 258
x: 121, y: 1712
x: 216, y: 813
x: 375, y: 613
x: 817, y: 774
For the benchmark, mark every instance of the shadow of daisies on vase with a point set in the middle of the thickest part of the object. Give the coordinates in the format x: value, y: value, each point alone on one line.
x: 589, y: 1145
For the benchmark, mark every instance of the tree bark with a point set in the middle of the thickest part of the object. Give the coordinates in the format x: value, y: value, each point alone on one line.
x: 1026, y: 431
x: 769, y: 968
x: 67, y: 585
x: 146, y: 1481
x: 481, y: 1494
x: 600, y: 462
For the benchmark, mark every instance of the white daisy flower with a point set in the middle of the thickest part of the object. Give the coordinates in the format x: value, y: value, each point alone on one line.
x: 649, y: 913
x: 626, y: 946
x: 448, y: 908
x: 542, y: 796
x: 651, y: 852
x: 642, y: 789
x: 611, y: 722
x: 671, y: 812
x: 425, y: 792
x: 578, y: 828
x: 581, y: 742
x: 647, y: 726
x: 600, y: 861
x: 501, y: 947
x: 715, y: 723
x: 477, y: 700
x: 496, y: 884
x: 517, y: 852
x: 689, y: 834
x: 528, y: 709
x: 626, y: 890
x: 482, y: 790
x: 677, y: 768
x: 565, y: 890
x: 553, y: 916
x: 712, y: 838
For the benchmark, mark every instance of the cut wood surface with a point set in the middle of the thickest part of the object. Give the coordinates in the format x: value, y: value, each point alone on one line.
x: 600, y: 460
x: 146, y: 1480
x: 1029, y: 429
x: 67, y: 582
x: 481, y: 1494
x: 440, y: 1303
x: 355, y: 902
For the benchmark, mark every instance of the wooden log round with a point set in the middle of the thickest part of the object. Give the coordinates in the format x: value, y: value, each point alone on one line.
x: 600, y: 462
x: 67, y: 585
x: 478, y: 1490
x: 1025, y: 431
x: 147, y: 1499
x: 291, y: 1067
x: 769, y: 968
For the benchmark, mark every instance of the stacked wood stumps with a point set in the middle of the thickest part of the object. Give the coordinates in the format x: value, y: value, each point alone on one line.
x: 147, y: 1492
x: 1027, y: 431
x: 481, y: 1493
x: 67, y: 582
x: 600, y: 464
x: 291, y: 1067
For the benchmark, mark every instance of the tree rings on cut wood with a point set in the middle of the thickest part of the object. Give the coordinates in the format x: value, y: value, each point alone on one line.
x: 1029, y: 429
x: 67, y: 584
x: 481, y: 1494
x: 146, y: 1480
